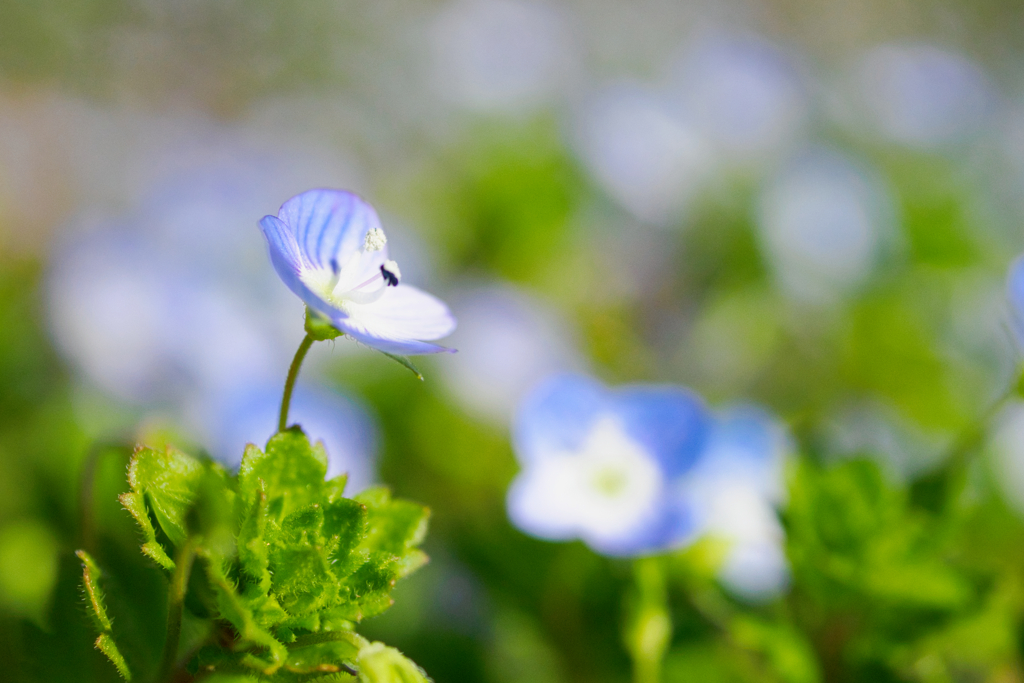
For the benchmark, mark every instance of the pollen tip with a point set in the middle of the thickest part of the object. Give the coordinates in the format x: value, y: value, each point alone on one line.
x: 335, y: 268
x: 375, y: 240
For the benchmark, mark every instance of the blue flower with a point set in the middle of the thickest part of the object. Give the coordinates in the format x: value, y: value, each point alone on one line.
x: 602, y: 465
x: 1015, y: 294
x: 647, y: 468
x: 329, y: 248
x: 733, y: 490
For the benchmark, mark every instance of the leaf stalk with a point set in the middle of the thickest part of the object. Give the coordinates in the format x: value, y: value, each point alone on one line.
x: 175, y: 606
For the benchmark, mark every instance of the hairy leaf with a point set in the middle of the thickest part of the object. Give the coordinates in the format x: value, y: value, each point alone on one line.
x: 96, y: 602
x: 168, y: 480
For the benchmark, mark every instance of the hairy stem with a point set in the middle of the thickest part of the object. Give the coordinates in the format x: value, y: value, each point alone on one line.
x: 289, y: 384
x: 175, y: 606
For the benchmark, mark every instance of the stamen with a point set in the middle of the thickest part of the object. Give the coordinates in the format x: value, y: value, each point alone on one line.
x: 375, y: 240
x: 392, y: 275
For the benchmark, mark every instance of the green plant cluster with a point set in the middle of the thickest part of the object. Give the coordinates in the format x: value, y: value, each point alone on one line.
x: 269, y: 571
x: 883, y: 589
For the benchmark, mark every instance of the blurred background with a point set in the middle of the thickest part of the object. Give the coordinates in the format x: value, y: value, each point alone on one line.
x: 808, y: 206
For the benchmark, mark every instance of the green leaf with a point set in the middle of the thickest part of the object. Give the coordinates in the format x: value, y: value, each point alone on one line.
x: 106, y: 645
x: 404, y: 362
x: 379, y: 663
x: 136, y: 505
x: 233, y: 609
x: 326, y: 652
x: 168, y: 480
x: 90, y: 580
x: 345, y: 527
x: 253, y: 548
x: 291, y: 471
x: 370, y: 587
x: 288, y: 559
x: 91, y: 575
x: 790, y: 655
x: 302, y: 576
x: 393, y: 526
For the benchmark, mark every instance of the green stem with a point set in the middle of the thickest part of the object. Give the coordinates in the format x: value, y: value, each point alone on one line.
x: 289, y: 384
x: 971, y: 437
x: 649, y: 627
x: 175, y: 607
x: 933, y: 490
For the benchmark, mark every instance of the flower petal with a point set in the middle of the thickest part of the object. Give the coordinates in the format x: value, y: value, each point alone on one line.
x: 288, y: 262
x: 672, y: 423
x: 746, y: 444
x: 556, y: 416
x: 1015, y: 293
x: 537, y: 503
x: 399, y: 320
x: 328, y: 224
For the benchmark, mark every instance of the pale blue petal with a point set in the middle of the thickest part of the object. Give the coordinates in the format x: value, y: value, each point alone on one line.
x: 666, y: 531
x: 671, y: 423
x: 284, y: 250
x: 328, y: 225
x: 748, y: 435
x: 1015, y: 293
x: 529, y: 508
x: 399, y: 321
x: 745, y: 444
x: 406, y: 347
x: 556, y: 416
x: 288, y: 260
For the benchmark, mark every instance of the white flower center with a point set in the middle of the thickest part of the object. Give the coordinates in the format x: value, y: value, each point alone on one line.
x: 610, y: 486
x: 362, y: 279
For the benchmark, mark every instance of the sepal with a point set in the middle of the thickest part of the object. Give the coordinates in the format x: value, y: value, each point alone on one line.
x: 320, y: 328
x: 405, y: 362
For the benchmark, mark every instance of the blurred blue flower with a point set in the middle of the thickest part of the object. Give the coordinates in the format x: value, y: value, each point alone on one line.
x: 923, y: 95
x: 743, y: 93
x: 733, y: 489
x: 248, y: 414
x: 643, y: 469
x: 329, y: 248
x: 647, y: 156
x: 1015, y: 295
x: 824, y: 223
x: 599, y: 464
x: 501, y: 55
x: 148, y: 328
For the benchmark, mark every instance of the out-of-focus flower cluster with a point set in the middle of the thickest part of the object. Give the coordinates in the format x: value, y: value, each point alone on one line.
x: 645, y: 469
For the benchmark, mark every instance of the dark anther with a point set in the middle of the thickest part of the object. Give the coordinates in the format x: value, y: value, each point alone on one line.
x: 389, y: 277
